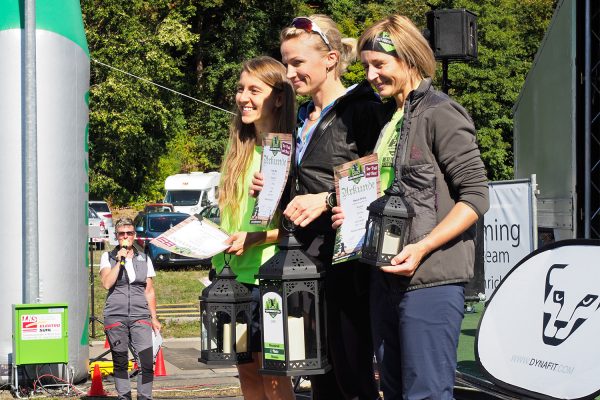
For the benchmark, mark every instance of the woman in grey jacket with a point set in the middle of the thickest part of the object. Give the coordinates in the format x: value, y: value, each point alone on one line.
x: 130, y: 310
x: 429, y: 155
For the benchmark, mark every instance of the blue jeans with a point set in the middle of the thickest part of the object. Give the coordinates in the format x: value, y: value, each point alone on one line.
x: 415, y: 337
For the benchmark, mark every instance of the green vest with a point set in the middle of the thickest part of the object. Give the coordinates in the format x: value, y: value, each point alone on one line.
x: 246, y: 265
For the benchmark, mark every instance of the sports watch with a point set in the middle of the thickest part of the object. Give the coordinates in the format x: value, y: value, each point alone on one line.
x: 330, y: 200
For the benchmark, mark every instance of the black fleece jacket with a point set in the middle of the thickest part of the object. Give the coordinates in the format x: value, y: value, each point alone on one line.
x: 346, y: 132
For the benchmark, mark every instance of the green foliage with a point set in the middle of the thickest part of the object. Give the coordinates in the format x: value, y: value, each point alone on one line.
x: 509, y: 33
x: 140, y: 134
x: 130, y: 120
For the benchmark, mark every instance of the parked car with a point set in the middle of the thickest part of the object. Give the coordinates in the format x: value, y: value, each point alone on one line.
x: 102, y: 209
x: 149, y: 226
x: 212, y: 213
x: 94, y: 220
x: 158, y: 207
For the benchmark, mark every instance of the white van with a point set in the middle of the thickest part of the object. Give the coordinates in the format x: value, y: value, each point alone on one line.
x: 190, y: 193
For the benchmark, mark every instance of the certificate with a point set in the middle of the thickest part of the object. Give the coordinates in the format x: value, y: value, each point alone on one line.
x: 356, y: 186
x: 275, y: 165
x: 193, y: 238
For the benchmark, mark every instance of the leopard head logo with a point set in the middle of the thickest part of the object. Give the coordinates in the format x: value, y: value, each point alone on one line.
x: 569, y: 301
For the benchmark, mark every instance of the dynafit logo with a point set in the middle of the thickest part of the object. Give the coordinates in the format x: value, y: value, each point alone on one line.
x: 272, y: 307
x: 569, y: 300
x: 275, y: 145
x: 356, y: 173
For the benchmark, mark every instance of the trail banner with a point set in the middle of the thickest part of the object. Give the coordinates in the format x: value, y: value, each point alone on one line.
x: 538, y: 335
x: 508, y: 229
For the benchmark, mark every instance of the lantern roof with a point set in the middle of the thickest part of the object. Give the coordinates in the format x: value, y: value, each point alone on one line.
x: 290, y: 263
x: 225, y: 289
x: 393, y: 206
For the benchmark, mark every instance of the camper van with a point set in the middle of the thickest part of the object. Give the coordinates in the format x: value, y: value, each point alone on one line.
x: 190, y: 193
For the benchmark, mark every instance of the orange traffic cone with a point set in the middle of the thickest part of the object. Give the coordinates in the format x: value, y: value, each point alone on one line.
x: 159, y: 364
x: 96, y: 390
x: 106, y: 345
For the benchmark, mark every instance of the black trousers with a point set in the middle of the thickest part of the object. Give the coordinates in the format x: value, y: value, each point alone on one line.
x: 348, y: 336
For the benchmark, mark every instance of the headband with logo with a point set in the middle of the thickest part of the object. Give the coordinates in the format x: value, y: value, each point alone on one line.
x: 381, y: 43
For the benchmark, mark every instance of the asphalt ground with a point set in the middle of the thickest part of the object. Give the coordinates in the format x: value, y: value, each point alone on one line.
x: 186, y: 377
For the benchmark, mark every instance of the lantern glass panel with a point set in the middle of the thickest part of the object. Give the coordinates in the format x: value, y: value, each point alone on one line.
x: 205, y: 321
x: 372, y: 238
x: 301, y: 325
x: 242, y: 334
x: 392, y: 238
x: 222, y: 326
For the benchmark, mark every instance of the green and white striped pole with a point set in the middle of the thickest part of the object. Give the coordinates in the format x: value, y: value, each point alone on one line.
x: 60, y: 84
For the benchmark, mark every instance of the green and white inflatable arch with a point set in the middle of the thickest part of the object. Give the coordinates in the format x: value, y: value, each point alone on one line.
x: 63, y: 72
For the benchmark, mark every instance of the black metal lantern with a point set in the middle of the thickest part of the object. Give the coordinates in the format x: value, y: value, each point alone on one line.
x: 293, y: 313
x: 225, y: 320
x: 387, y: 229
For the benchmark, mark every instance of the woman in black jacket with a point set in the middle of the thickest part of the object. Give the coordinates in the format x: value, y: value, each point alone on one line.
x: 337, y: 125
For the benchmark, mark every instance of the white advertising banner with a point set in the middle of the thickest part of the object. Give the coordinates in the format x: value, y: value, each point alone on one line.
x: 539, y: 332
x: 508, y: 230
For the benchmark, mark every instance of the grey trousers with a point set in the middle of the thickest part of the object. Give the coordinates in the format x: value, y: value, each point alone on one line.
x: 120, y: 332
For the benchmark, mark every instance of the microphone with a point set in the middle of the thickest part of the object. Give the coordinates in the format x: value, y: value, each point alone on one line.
x: 124, y: 245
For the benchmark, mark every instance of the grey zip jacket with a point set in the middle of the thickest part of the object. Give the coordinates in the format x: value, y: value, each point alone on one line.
x: 438, y: 164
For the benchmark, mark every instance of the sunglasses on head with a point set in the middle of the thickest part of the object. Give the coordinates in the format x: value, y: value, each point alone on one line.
x: 310, y: 26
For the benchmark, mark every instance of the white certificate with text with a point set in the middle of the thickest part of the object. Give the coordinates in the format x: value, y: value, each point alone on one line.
x: 275, y: 166
x: 357, y: 186
x: 193, y: 238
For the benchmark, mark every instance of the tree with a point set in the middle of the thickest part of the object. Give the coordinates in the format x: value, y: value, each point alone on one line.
x: 130, y: 121
x: 140, y: 134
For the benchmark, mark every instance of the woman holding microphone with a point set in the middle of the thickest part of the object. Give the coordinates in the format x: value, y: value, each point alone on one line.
x: 130, y: 310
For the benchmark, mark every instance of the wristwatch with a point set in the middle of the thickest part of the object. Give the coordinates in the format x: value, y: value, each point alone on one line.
x: 330, y: 200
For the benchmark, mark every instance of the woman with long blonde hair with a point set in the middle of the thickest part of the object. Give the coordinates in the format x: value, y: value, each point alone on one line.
x: 265, y: 104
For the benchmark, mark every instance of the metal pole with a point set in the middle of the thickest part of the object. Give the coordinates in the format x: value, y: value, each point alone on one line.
x: 31, y: 281
x: 534, y: 196
x: 445, y: 81
x: 92, y: 300
x: 587, y: 107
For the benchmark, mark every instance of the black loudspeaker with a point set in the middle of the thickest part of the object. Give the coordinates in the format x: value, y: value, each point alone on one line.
x: 453, y: 34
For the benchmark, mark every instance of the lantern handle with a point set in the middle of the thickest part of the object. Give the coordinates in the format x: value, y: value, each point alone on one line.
x: 288, y: 225
x: 226, y: 258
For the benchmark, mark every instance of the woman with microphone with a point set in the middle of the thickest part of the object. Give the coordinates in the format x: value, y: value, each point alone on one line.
x: 130, y: 309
